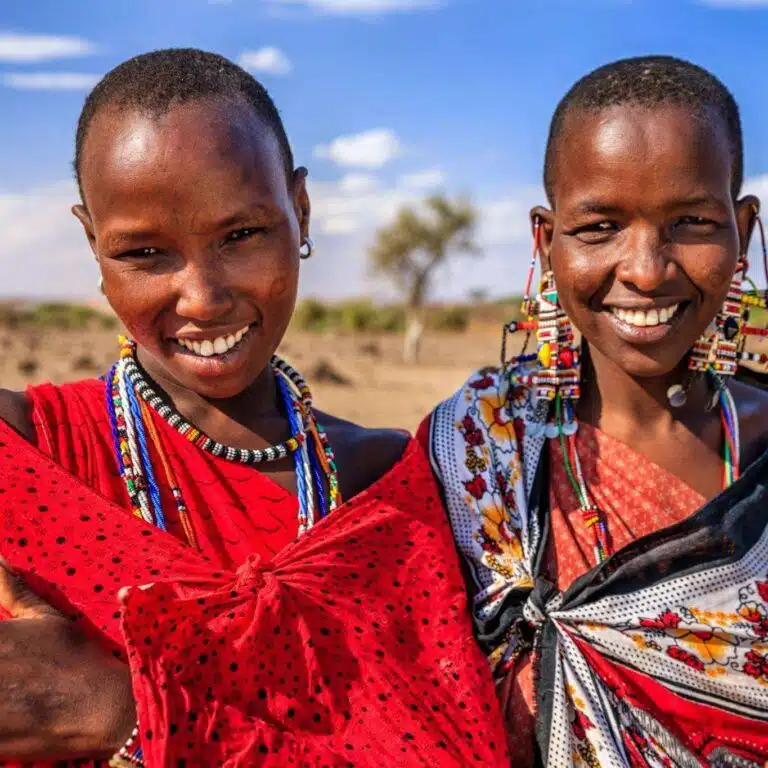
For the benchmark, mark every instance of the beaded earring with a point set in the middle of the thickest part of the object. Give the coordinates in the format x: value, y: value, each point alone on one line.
x: 557, y: 374
x: 721, y: 349
x: 718, y: 349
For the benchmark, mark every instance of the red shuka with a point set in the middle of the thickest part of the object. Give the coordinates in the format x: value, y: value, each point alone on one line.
x: 351, y: 647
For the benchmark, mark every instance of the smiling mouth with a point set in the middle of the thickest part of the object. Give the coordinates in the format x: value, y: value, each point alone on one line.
x: 639, y: 318
x: 215, y: 347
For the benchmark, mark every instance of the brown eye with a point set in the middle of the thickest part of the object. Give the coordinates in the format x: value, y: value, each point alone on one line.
x: 695, y: 221
x: 140, y: 253
x: 243, y: 234
x: 596, y: 231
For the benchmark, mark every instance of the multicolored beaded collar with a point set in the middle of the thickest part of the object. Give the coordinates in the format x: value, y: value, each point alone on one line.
x: 130, y: 400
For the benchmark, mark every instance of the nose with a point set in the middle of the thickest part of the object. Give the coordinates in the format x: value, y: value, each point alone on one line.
x: 645, y: 264
x: 203, y: 292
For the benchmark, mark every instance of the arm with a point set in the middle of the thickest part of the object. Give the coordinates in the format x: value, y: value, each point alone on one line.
x: 77, y: 699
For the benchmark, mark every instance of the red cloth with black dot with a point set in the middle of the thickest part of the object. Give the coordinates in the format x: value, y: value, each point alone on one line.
x: 351, y: 647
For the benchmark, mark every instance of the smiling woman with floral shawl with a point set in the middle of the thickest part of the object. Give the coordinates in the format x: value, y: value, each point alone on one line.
x: 621, y: 593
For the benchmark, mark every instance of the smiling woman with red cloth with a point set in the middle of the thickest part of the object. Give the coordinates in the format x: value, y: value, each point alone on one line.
x: 277, y: 624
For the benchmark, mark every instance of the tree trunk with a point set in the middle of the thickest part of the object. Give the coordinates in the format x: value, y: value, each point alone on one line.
x: 414, y: 329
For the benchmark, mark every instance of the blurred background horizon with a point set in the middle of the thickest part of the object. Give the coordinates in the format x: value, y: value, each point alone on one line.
x: 385, y: 101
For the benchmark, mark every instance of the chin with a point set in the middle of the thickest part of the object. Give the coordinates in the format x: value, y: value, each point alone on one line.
x: 644, y: 366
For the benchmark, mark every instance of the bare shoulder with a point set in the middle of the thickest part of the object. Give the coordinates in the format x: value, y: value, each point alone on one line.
x: 14, y: 410
x: 752, y: 405
x: 363, y: 455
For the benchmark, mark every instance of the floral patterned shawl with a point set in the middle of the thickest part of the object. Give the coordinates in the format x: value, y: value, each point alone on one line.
x: 658, y: 657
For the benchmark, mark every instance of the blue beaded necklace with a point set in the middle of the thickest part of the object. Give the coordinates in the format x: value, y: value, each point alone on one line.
x: 130, y: 400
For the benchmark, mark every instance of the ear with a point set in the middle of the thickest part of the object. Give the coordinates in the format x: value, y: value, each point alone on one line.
x: 545, y: 220
x: 82, y: 215
x: 747, y: 211
x: 301, y: 204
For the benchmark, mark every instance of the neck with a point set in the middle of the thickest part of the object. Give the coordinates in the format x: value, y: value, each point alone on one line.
x: 613, y: 399
x: 251, y: 408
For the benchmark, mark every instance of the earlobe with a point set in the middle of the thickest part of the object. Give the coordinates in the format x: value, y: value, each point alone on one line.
x: 81, y: 214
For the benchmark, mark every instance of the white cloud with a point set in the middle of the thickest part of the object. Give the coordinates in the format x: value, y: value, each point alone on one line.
x: 344, y: 223
x: 354, y: 183
x: 43, y: 251
x: 370, y: 149
x: 49, y: 81
x: 269, y: 60
x: 505, y: 220
x: 360, y: 7
x: 32, y: 48
x: 428, y: 179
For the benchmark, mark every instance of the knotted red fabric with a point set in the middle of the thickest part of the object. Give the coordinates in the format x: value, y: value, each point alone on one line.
x: 352, y: 647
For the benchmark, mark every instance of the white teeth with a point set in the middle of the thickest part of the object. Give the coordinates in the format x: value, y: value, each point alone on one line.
x: 642, y: 318
x: 218, y: 346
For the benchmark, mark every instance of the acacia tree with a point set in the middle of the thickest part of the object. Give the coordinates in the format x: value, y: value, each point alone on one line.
x: 410, y: 249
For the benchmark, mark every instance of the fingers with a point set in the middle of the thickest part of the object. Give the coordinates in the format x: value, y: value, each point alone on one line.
x: 122, y: 594
x: 17, y: 599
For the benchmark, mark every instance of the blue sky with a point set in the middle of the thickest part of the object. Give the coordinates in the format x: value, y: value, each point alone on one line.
x: 384, y: 101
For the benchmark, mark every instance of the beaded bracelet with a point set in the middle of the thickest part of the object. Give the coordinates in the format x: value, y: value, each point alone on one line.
x: 130, y: 754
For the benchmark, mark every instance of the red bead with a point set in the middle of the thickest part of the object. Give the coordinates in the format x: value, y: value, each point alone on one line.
x: 565, y: 358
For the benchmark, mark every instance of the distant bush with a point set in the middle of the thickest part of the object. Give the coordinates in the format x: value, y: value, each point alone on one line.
x: 60, y: 316
x: 353, y: 316
x: 455, y: 319
x: 364, y: 316
x: 312, y: 315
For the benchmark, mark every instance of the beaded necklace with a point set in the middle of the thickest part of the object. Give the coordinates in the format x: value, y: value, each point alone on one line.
x: 130, y: 400
x: 592, y: 516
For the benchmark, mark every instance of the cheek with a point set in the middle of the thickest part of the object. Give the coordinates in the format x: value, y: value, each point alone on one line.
x: 279, y: 288
x: 711, y: 274
x: 579, y: 277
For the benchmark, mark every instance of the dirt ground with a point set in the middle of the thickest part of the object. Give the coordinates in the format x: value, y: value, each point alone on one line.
x: 358, y: 377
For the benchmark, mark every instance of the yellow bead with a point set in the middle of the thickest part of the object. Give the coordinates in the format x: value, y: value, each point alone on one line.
x: 545, y: 355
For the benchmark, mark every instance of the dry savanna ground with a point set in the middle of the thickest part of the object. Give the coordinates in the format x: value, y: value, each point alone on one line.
x: 356, y: 376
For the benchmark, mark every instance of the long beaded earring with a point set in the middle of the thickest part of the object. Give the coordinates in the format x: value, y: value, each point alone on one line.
x: 718, y: 349
x: 721, y: 348
x: 557, y: 374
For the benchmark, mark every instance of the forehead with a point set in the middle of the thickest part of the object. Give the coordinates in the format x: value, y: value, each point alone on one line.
x: 196, y: 143
x: 634, y: 154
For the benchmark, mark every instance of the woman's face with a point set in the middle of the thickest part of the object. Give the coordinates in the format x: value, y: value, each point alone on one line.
x: 645, y: 236
x: 197, y: 232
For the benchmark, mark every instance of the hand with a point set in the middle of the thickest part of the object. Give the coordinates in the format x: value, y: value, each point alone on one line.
x: 61, y: 695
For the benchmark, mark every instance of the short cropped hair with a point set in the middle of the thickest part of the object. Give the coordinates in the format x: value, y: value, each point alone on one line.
x: 154, y: 82
x: 649, y: 81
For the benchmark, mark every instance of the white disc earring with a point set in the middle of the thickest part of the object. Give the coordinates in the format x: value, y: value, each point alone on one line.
x: 305, y: 251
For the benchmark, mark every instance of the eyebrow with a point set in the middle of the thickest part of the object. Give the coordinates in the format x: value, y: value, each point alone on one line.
x: 596, y: 206
x: 599, y: 207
